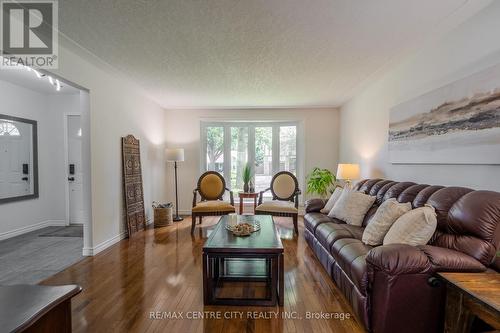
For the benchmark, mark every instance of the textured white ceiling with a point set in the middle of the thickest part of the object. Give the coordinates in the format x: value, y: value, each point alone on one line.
x: 251, y: 53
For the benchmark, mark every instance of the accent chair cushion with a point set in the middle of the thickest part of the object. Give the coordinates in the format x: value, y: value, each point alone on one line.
x: 333, y: 199
x: 211, y: 186
x: 277, y: 206
x: 413, y: 228
x: 388, y: 212
x: 284, y: 186
x: 213, y: 206
x: 352, y: 207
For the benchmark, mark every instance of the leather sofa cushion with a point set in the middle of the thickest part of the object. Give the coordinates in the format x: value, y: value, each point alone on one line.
x: 468, y: 222
x: 443, y: 200
x: 328, y: 233
x: 383, y: 190
x: 400, y: 259
x: 369, y: 215
x: 375, y: 189
x: 350, y: 254
x: 410, y: 193
x: 314, y: 205
x: 313, y: 220
x: 366, y: 185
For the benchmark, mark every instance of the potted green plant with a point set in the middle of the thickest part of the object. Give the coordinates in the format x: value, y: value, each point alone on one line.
x: 247, y: 176
x: 319, y: 181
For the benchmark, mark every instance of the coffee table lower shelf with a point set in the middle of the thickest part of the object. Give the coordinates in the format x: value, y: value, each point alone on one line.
x: 220, y: 268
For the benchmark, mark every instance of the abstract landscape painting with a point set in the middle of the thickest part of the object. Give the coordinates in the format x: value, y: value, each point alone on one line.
x: 455, y: 124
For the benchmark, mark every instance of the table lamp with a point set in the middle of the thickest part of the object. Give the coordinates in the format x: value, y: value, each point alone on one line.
x: 348, y: 172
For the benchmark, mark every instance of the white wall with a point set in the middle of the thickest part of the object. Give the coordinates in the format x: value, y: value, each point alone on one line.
x: 49, y: 209
x: 473, y: 46
x: 117, y: 108
x: 182, y: 130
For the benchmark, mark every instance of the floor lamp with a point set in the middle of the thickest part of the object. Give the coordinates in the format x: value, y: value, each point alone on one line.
x: 175, y: 155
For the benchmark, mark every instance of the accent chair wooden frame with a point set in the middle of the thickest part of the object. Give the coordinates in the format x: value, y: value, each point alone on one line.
x: 210, y: 197
x: 294, y: 197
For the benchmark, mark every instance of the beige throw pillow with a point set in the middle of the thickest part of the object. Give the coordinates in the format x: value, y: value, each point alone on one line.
x: 388, y: 212
x: 331, y: 202
x: 352, y: 207
x: 413, y: 228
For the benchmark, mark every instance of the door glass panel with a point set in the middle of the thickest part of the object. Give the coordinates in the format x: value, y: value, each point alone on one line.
x: 239, y: 156
x: 288, y: 149
x: 263, y: 158
x: 215, y: 149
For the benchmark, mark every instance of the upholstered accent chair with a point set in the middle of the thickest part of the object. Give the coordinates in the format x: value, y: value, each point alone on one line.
x: 211, y: 187
x: 285, y: 191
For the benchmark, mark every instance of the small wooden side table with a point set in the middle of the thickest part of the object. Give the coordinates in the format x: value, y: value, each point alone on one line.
x: 469, y: 295
x: 243, y: 195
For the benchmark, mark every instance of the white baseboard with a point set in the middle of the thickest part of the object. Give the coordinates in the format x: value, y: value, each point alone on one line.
x: 92, y: 251
x: 33, y: 227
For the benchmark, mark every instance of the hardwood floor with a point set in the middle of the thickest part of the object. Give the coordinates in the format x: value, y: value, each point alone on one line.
x: 158, y: 271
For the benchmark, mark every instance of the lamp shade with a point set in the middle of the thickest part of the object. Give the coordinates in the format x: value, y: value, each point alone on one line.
x: 348, y: 171
x: 174, y: 154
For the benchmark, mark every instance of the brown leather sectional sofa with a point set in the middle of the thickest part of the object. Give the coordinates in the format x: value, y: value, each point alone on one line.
x: 391, y: 288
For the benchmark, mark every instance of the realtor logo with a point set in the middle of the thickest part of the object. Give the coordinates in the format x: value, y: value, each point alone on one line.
x: 29, y: 34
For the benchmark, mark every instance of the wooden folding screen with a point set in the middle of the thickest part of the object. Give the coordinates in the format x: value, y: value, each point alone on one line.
x: 132, y: 185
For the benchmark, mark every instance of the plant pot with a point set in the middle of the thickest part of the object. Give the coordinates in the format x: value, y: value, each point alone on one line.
x: 246, y: 188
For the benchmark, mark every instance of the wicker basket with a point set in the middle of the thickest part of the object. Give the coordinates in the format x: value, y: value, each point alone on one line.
x: 163, y: 217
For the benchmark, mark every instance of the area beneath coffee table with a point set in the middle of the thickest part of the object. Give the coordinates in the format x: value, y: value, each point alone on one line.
x: 245, y: 267
x: 244, y: 278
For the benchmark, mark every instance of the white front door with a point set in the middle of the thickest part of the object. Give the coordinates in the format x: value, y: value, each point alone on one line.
x: 74, y: 169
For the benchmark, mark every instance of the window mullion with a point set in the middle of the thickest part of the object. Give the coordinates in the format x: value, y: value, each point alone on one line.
x: 227, y: 155
x: 251, y: 148
x: 276, y: 149
x: 203, y: 152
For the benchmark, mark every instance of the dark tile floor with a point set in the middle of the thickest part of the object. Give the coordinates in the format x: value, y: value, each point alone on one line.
x: 31, y: 258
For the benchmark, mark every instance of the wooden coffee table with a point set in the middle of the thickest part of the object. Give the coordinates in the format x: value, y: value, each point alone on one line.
x: 255, y: 258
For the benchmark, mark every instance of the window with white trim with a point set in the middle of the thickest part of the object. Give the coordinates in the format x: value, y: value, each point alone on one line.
x: 268, y: 147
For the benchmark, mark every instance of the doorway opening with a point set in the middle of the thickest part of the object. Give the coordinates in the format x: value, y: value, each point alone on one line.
x: 45, y: 191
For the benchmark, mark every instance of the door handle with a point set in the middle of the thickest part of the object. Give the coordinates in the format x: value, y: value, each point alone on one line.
x: 71, y: 179
x: 24, y: 178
